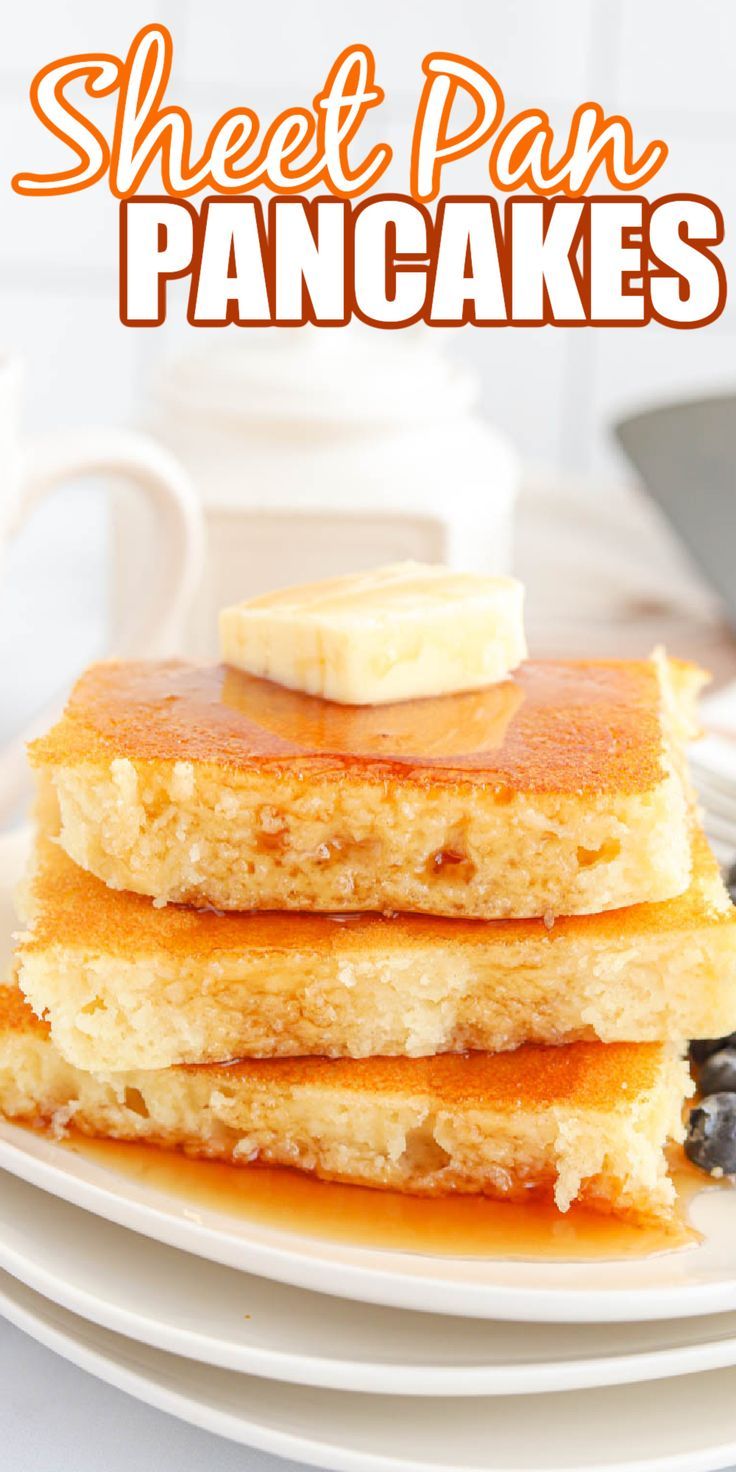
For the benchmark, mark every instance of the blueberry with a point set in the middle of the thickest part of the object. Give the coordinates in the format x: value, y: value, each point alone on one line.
x: 711, y: 1134
x: 702, y: 1049
x: 718, y: 1074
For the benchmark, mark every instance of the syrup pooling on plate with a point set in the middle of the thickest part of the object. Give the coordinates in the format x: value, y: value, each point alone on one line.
x: 452, y: 1226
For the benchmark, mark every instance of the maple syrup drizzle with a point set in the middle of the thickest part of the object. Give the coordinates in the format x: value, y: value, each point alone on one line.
x: 469, y: 1226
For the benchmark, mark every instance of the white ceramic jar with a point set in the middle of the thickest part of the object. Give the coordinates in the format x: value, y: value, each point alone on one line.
x: 321, y: 451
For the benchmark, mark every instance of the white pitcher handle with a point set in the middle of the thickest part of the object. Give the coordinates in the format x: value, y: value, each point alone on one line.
x: 151, y: 628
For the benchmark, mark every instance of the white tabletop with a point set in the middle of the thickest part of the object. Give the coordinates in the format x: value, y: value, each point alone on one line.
x: 57, y: 1418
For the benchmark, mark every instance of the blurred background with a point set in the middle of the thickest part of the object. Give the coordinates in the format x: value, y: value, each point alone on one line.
x: 487, y: 446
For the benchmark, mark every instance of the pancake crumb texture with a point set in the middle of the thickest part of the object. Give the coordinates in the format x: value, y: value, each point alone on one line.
x: 558, y: 792
x: 420, y: 939
x: 125, y: 984
x: 585, y: 1122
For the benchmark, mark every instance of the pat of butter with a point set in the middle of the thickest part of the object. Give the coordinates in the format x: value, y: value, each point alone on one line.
x: 396, y: 633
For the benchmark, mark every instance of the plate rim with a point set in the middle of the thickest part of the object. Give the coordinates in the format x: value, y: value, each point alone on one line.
x: 99, y: 1305
x: 176, y: 1403
x: 245, y: 1431
x: 320, y: 1270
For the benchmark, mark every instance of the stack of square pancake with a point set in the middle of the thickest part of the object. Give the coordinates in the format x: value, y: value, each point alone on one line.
x: 445, y: 945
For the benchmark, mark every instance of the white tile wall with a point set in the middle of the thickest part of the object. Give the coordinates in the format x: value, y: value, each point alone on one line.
x: 294, y: 46
x: 81, y: 363
x: 678, y: 56
x: 43, y: 30
x: 668, y: 63
x: 51, y: 241
x: 553, y: 390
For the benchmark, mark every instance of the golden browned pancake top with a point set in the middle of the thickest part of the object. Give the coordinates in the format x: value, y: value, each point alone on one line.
x: 602, y: 1076
x: 576, y: 727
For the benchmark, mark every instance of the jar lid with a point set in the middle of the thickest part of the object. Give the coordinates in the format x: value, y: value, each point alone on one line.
x: 346, y: 376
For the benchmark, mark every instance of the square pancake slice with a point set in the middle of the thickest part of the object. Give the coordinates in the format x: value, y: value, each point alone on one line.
x: 127, y: 985
x: 559, y: 791
x: 587, y: 1122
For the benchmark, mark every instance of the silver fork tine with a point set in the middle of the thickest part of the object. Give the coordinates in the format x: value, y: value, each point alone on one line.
x: 723, y: 787
x: 724, y: 852
x: 716, y: 828
x: 713, y: 801
x: 717, y: 795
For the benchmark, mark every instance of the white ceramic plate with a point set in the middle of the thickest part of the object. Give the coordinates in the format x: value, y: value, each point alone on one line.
x: 694, y: 1281
x: 217, y: 1316
x: 684, y: 1427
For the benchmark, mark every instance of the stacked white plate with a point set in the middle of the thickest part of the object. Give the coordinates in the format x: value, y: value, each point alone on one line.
x: 351, y: 1357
